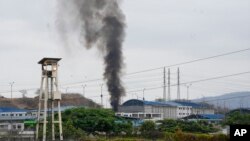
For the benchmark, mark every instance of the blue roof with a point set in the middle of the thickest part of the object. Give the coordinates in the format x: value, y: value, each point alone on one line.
x: 188, y: 103
x: 213, y: 116
x: 11, y: 109
x: 136, y: 102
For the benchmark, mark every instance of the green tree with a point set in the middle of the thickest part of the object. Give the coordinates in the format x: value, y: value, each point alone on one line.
x: 93, y: 121
x: 90, y: 120
x: 237, y: 118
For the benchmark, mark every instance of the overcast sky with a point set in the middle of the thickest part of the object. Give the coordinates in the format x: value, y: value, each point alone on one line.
x: 158, y: 33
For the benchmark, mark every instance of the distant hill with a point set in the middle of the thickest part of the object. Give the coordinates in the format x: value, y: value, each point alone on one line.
x: 71, y: 99
x: 230, y: 100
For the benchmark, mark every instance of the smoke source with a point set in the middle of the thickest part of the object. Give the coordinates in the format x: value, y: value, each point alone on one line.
x: 101, y: 24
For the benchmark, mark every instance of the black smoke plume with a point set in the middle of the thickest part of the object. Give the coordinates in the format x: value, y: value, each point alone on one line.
x: 101, y: 24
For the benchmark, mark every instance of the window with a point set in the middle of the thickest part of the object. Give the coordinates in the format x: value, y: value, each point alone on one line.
x: 20, y: 115
x: 3, y: 126
x: 19, y: 126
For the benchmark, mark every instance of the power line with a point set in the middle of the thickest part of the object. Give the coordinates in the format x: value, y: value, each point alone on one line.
x: 196, y: 81
x: 178, y: 64
x: 168, y: 66
x: 192, y: 61
x: 235, y: 97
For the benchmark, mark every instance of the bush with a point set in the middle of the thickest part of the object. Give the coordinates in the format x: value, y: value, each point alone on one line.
x: 169, y: 125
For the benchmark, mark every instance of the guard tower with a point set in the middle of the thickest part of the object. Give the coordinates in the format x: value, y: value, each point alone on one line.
x: 48, y: 97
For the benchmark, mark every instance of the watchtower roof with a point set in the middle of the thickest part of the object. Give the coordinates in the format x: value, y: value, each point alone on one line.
x: 49, y: 60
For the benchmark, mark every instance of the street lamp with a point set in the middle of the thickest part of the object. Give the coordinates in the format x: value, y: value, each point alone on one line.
x: 101, y: 95
x: 135, y: 95
x: 188, y: 85
x: 11, y: 114
x: 66, y: 90
x: 143, y: 98
x: 83, y: 89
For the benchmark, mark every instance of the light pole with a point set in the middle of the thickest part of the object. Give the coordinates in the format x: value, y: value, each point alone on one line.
x: 143, y: 98
x: 188, y: 85
x: 135, y: 95
x: 101, y: 96
x: 83, y: 89
x: 11, y: 114
x: 66, y: 90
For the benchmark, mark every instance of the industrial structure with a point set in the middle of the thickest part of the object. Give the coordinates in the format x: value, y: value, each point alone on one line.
x: 161, y: 110
x: 49, y: 96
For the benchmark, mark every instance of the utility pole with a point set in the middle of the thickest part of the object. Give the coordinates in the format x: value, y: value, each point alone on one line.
x: 83, y: 90
x: 164, y: 84
x: 11, y: 114
x: 178, y: 84
x: 169, y: 97
x: 101, y: 96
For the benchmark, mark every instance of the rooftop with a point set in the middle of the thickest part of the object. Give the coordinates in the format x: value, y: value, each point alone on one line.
x: 206, y: 116
x: 49, y: 60
x: 137, y: 102
x: 11, y: 109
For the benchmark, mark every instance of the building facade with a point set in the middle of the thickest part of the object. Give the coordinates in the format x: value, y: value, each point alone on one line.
x: 161, y: 110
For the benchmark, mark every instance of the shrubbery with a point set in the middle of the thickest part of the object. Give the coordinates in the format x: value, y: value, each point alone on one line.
x: 181, y: 136
x: 237, y: 118
x: 80, y: 124
x: 170, y: 125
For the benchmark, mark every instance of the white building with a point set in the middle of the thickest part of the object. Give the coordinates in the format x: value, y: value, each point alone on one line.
x: 161, y: 110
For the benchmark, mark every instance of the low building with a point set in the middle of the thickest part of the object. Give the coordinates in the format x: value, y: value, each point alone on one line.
x: 210, y: 118
x: 13, y: 118
x: 20, y: 122
x: 161, y: 110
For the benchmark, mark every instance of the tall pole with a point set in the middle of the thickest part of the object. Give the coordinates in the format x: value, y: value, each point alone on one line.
x: 188, y: 86
x: 101, y: 96
x: 83, y: 90
x: 66, y: 90
x: 178, y: 84
x: 143, y: 98
x: 164, y: 84
x: 169, y: 97
x: 11, y: 114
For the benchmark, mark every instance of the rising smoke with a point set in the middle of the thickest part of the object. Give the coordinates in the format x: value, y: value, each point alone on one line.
x: 101, y: 24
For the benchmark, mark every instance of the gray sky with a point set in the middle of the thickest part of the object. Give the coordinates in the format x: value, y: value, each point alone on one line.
x: 158, y: 33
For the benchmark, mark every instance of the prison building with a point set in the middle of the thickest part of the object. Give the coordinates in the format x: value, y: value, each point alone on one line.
x: 161, y: 110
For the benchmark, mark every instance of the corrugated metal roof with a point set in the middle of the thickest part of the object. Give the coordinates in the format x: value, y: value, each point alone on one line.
x: 137, y: 102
